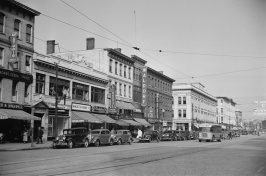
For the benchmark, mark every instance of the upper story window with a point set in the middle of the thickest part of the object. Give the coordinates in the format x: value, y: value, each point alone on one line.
x: 14, y: 91
x: 134, y: 71
x: 0, y: 89
x: 26, y: 91
x: 17, y: 27
x: 140, y: 72
x: 129, y: 91
x: 2, y: 22
x: 184, y: 113
x: 97, y: 95
x: 184, y: 100
x: 137, y: 74
x: 27, y: 63
x: 1, y: 56
x: 40, y: 83
x: 120, y: 71
x: 125, y: 71
x: 179, y: 113
x: 116, y: 88
x: 125, y: 90
x: 129, y: 72
x: 116, y: 68
x: 110, y: 65
x: 29, y: 33
x: 222, y: 101
x: 62, y: 87
x: 80, y: 92
x: 120, y: 89
x: 179, y: 100
x: 222, y: 110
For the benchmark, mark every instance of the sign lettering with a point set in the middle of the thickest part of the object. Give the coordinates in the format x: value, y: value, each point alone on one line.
x: 144, y: 86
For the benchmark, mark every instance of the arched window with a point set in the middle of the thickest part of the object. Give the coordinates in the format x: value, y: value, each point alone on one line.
x: 2, y: 22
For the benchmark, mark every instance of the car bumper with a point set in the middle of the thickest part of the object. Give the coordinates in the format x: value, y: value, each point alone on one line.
x: 59, y: 143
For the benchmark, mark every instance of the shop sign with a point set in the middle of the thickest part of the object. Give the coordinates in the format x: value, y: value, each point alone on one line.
x: 52, y: 105
x: 14, y: 47
x: 16, y: 76
x: 112, y: 91
x: 112, y: 110
x: 81, y: 107
x: 11, y: 106
x: 137, y: 110
x: 164, y: 123
x: 144, y: 87
x: 99, y: 109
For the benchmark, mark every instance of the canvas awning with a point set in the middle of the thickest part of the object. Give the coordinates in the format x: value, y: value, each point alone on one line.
x: 142, y: 121
x: 104, y: 118
x: 131, y: 122
x: 77, y: 116
x: 124, y: 105
x: 121, y: 123
x: 16, y: 114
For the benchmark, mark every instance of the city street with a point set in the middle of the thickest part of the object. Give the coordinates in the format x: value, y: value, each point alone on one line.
x: 245, y: 155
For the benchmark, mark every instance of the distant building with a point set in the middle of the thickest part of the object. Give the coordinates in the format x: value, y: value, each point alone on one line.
x: 192, y: 105
x: 263, y: 124
x: 226, y: 111
x: 239, y: 120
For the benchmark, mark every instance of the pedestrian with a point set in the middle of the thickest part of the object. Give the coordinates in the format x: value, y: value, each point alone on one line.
x: 139, y: 134
x: 258, y: 133
x: 25, y: 136
x: 112, y: 131
x: 230, y: 135
x: 40, y: 134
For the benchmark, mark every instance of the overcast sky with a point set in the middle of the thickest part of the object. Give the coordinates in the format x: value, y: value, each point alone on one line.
x: 220, y: 43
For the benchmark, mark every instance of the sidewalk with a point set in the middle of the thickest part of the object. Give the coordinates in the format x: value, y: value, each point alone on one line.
x: 21, y: 146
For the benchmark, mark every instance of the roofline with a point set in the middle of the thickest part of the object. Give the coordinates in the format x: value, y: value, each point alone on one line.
x: 120, y: 54
x: 138, y: 59
x: 195, y: 90
x: 228, y: 99
x: 36, y: 13
x: 161, y: 74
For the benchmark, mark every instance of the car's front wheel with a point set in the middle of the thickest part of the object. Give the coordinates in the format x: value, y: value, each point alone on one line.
x: 97, y: 143
x: 70, y: 144
x: 111, y: 142
x: 86, y: 144
x: 119, y: 142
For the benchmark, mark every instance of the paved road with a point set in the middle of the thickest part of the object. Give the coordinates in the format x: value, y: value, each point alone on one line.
x: 241, y: 156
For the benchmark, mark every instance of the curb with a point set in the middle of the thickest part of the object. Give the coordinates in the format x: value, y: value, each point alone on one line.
x: 32, y: 148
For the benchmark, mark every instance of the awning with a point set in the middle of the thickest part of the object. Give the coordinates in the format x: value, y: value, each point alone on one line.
x: 124, y: 105
x: 137, y: 106
x: 16, y: 114
x: 142, y: 121
x: 131, y: 122
x: 121, y: 123
x: 104, y: 118
x: 84, y: 117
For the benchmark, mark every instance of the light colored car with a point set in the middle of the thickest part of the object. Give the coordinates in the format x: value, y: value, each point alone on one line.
x: 101, y: 137
x: 122, y: 137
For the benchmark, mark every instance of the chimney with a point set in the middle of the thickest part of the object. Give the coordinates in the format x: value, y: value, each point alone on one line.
x: 50, y: 46
x: 118, y: 49
x: 90, y: 43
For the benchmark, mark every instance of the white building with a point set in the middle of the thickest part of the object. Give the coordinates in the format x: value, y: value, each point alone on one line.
x: 226, y: 111
x: 192, y: 104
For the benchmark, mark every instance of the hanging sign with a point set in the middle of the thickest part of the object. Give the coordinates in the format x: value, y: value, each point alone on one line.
x: 14, y: 47
x: 113, y: 90
x: 144, y: 87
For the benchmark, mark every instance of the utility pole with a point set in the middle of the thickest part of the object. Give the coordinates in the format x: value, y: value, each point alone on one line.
x: 56, y: 99
x: 192, y: 114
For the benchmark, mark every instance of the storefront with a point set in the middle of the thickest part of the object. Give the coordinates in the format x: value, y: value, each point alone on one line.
x: 100, y: 113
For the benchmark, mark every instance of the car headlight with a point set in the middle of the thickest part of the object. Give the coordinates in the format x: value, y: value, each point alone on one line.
x: 57, y: 138
x: 64, y: 137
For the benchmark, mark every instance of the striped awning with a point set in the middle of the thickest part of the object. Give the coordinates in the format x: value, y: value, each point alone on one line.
x: 131, y: 122
x: 142, y: 121
x: 84, y: 117
x: 16, y: 114
x: 104, y: 118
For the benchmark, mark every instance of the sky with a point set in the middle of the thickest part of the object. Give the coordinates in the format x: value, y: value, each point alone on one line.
x: 219, y: 43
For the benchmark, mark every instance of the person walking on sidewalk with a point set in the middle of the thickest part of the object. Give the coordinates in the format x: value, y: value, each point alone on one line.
x: 40, y: 133
x: 25, y: 136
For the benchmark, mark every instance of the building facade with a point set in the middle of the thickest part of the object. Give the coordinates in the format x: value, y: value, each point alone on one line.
x: 192, y: 105
x: 16, y: 67
x: 226, y: 111
x: 239, y: 120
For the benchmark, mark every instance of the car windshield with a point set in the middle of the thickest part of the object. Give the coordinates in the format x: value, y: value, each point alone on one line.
x: 167, y: 132
x: 204, y: 129
x: 95, y: 132
x: 67, y: 132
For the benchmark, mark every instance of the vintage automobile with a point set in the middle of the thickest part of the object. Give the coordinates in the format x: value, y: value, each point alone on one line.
x: 101, y: 137
x: 194, y: 135
x: 180, y: 135
x: 149, y: 136
x: 169, y: 135
x: 244, y: 132
x: 73, y: 137
x: 122, y: 137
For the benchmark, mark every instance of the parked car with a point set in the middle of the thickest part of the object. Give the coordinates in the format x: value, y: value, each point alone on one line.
x: 122, y: 137
x: 244, y: 132
x: 169, y: 135
x: 149, y: 136
x: 194, y: 135
x: 180, y: 135
x: 101, y: 136
x: 73, y: 137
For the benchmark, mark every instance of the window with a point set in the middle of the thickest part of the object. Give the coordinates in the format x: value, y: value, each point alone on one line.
x: 179, y: 113
x: 97, y: 95
x: 134, y: 77
x: 2, y: 22
x: 14, y: 91
x: 120, y: 89
x: 125, y: 90
x: 140, y: 72
x: 179, y: 100
x: 62, y: 87
x: 80, y: 92
x: 129, y: 91
x: 26, y: 92
x: 116, y: 68
x: 110, y: 65
x: 17, y: 27
x: 0, y: 89
x: 184, y: 113
x: 221, y: 101
x: 29, y: 33
x: 40, y: 83
x: 28, y: 58
x: 120, y: 70
x: 222, y: 110
x: 125, y: 71
x: 116, y: 88
x: 137, y: 74
x: 184, y: 100
x: 1, y: 56
x: 222, y: 119
x: 129, y: 72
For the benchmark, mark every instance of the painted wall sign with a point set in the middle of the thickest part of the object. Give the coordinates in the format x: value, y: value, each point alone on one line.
x: 144, y: 87
x: 81, y: 107
x: 16, y: 76
x: 11, y: 106
x: 99, y: 109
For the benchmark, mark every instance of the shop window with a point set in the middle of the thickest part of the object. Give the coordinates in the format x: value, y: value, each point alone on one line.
x: 80, y: 92
x: 2, y: 22
x: 62, y: 87
x: 97, y: 95
x: 28, y: 60
x: 14, y: 91
x: 40, y: 83
x: 184, y: 100
x: 29, y: 33
x: 17, y: 27
x: 1, y: 56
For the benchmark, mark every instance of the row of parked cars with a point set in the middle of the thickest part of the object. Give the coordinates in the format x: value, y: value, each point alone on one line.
x: 81, y: 137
